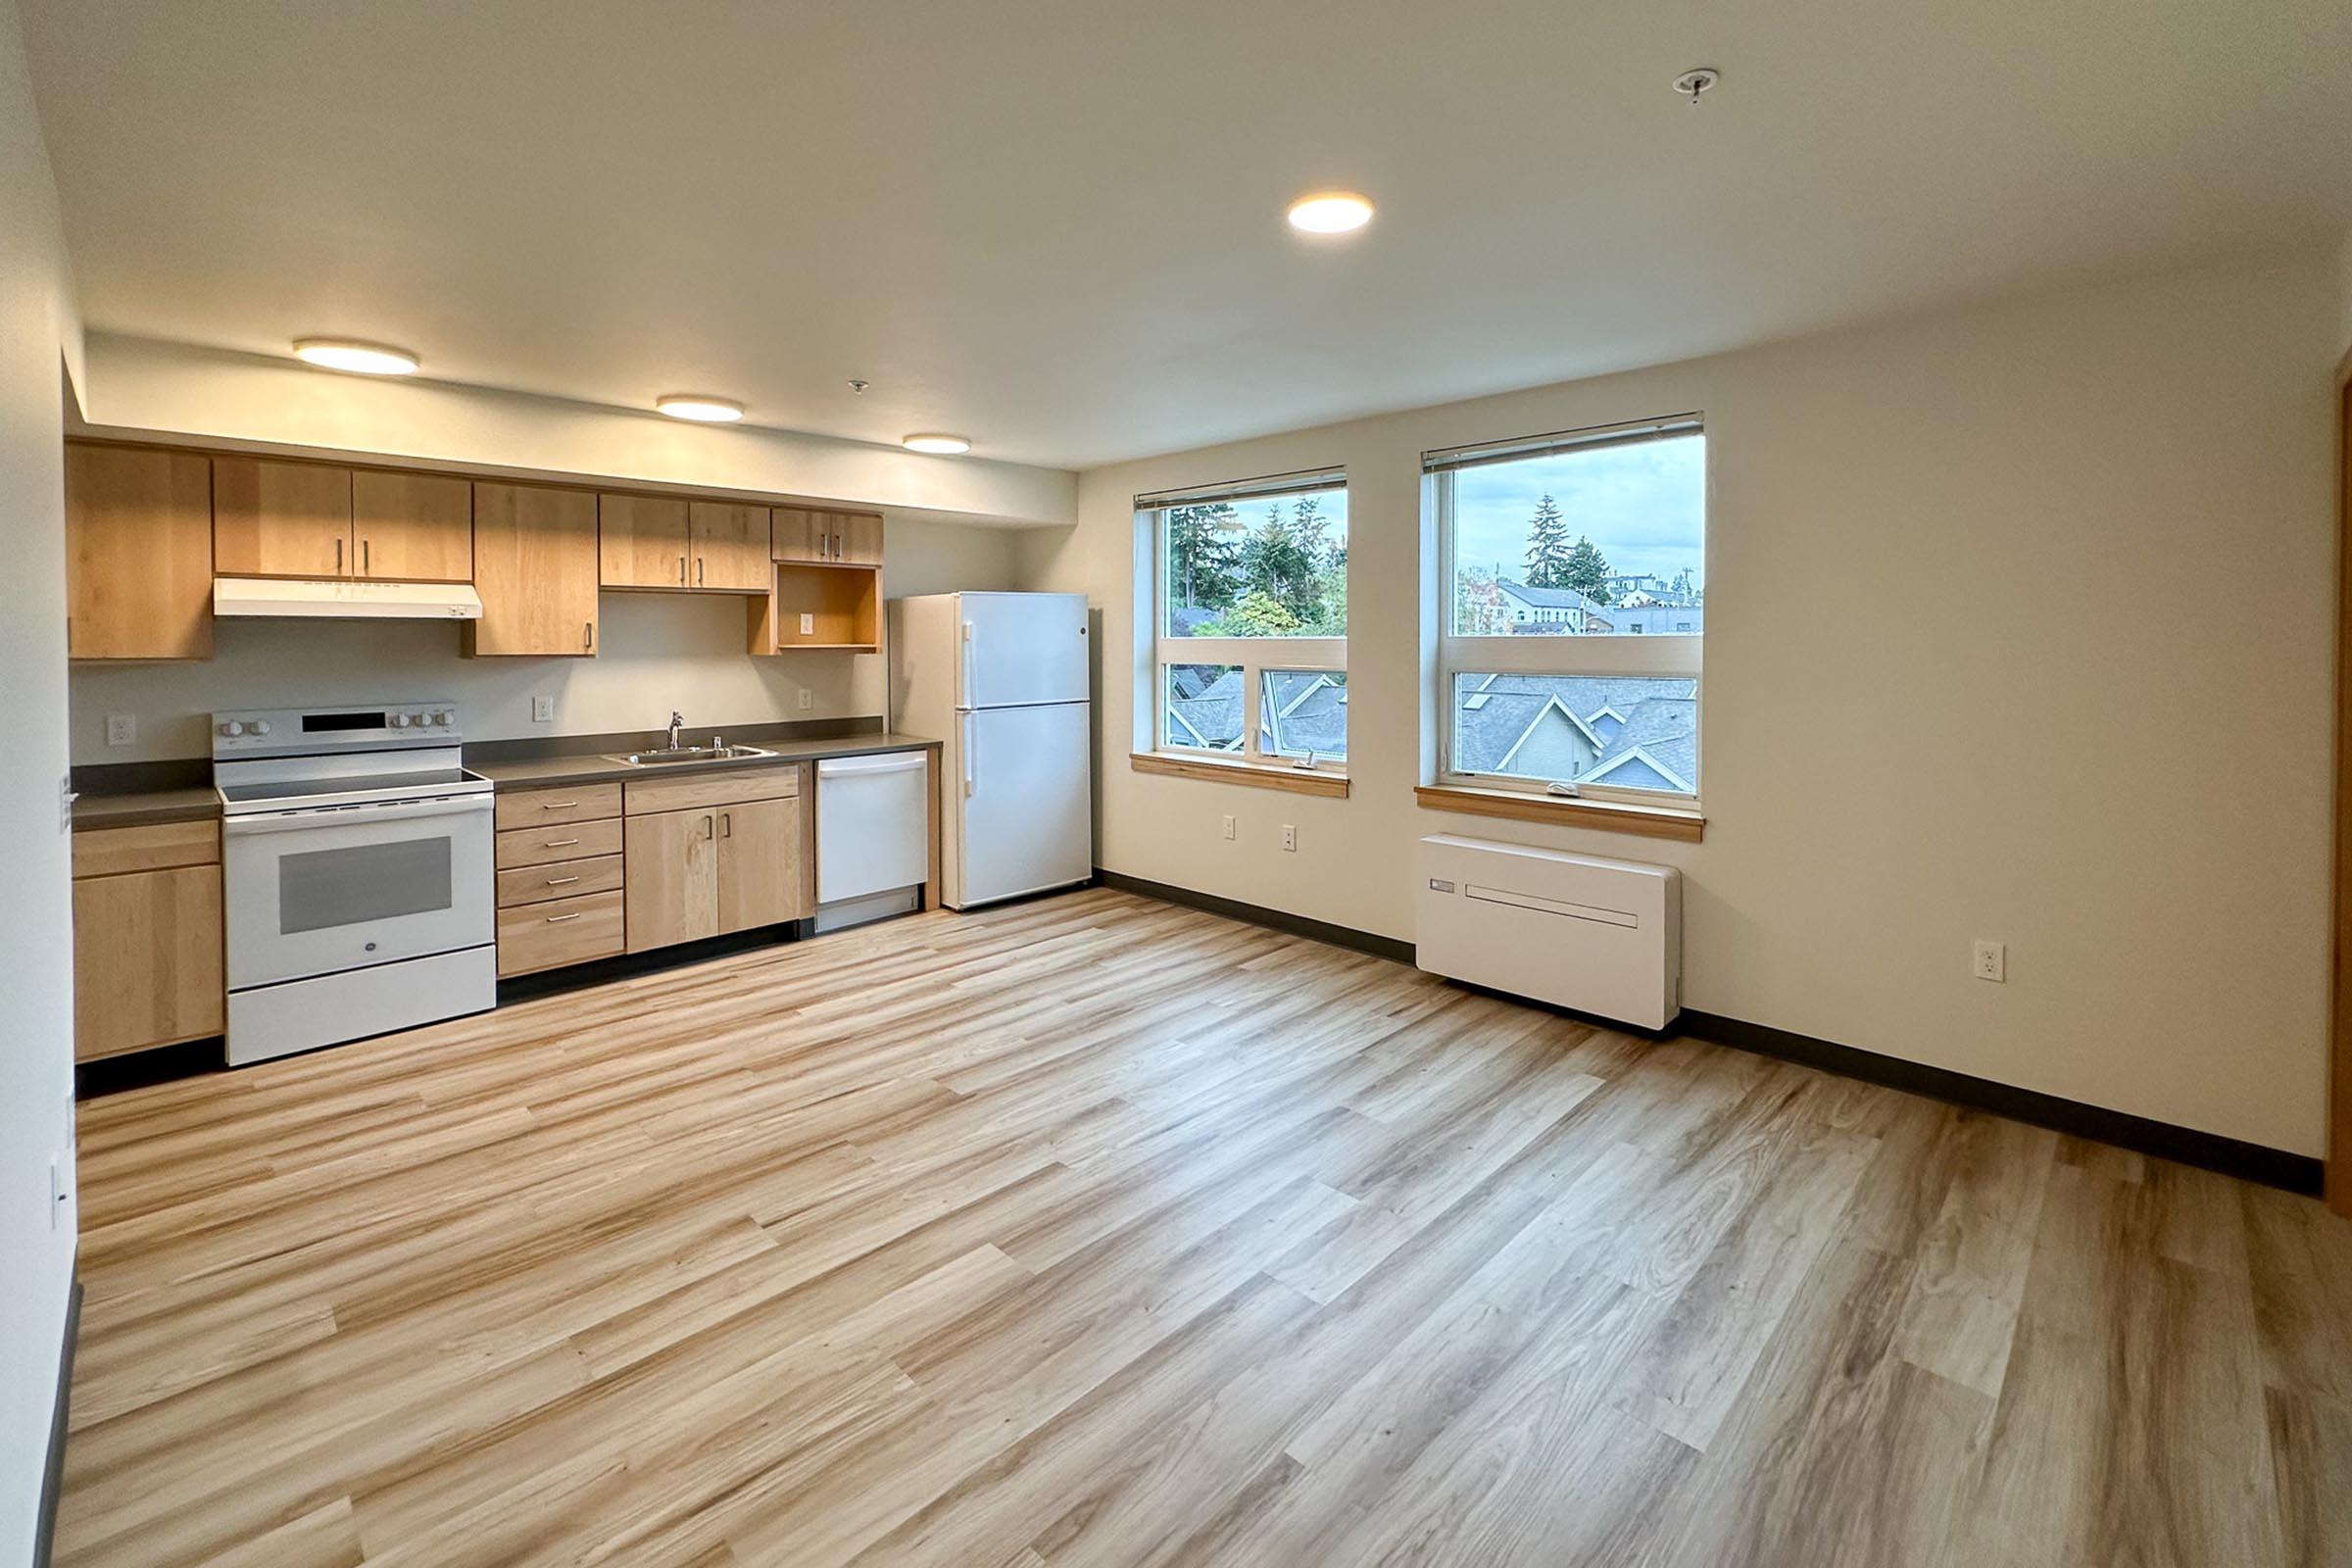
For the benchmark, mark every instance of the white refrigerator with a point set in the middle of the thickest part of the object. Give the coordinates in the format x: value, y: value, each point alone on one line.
x: 1004, y: 682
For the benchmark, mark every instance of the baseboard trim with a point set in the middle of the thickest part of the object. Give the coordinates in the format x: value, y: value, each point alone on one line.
x: 53, y: 1474
x: 2186, y: 1146
x: 2230, y: 1157
x: 1296, y: 925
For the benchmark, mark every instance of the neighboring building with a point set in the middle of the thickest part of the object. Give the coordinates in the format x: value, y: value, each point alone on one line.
x: 1656, y: 620
x: 1552, y: 610
x: 1305, y: 710
x: 1205, y: 706
x: 1633, y: 733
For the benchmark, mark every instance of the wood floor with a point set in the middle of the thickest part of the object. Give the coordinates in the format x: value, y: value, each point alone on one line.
x: 1098, y: 1230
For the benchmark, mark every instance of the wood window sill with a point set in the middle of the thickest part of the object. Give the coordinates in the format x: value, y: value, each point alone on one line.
x: 1617, y: 816
x: 1239, y: 771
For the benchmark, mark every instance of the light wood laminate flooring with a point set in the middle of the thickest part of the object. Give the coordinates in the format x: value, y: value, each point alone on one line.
x: 1098, y: 1230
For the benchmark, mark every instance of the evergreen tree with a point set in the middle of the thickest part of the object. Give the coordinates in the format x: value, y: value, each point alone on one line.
x: 1276, y: 562
x: 1204, y: 558
x: 1546, y: 546
x: 1587, y: 571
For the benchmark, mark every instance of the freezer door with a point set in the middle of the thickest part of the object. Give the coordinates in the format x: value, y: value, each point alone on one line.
x: 1024, y: 816
x: 1022, y: 647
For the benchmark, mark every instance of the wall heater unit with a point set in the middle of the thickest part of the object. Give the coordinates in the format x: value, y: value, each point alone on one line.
x: 1604, y: 937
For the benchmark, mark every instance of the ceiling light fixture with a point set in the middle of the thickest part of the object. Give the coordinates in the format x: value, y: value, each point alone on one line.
x: 350, y: 354
x: 937, y: 444
x: 1331, y: 212
x: 703, y: 409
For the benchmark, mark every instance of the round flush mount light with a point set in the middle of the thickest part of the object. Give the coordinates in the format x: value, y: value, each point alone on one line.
x: 350, y: 354
x: 699, y: 408
x: 938, y: 444
x: 1330, y: 212
x: 1696, y: 80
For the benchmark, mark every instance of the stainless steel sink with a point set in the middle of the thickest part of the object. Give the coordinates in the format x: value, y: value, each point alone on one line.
x: 691, y: 753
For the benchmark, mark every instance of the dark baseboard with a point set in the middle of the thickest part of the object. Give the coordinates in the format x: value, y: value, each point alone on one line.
x: 1297, y: 925
x: 629, y: 965
x: 53, y: 1475
x: 2230, y: 1157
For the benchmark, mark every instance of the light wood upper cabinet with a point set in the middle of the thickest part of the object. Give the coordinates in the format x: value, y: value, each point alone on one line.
x: 816, y: 535
x: 535, y: 565
x: 281, y: 520
x: 147, y: 943
x: 138, y: 554
x: 412, y: 528
x: 730, y: 546
x: 644, y: 542
x: 671, y: 886
x: 762, y: 876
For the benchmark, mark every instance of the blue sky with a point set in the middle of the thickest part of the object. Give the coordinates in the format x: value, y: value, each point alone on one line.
x: 1643, y: 505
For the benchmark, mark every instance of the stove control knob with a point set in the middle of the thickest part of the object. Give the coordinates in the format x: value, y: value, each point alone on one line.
x: 400, y: 721
x: 233, y: 727
x: 445, y: 718
x: 261, y: 726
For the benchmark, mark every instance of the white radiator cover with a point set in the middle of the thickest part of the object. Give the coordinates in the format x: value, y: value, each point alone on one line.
x: 1604, y: 937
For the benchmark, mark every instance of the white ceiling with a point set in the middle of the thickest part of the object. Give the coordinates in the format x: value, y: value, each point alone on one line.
x: 1055, y: 225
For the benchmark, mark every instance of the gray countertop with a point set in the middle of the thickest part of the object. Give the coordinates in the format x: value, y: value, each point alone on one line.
x: 142, y: 808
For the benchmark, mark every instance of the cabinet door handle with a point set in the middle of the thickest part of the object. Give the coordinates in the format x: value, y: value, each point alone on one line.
x: 726, y: 824
x: 338, y: 558
x: 562, y: 881
x: 681, y: 570
x: 557, y: 806
x: 588, y: 634
x: 559, y: 919
x: 560, y: 844
x: 364, y: 558
x: 697, y: 571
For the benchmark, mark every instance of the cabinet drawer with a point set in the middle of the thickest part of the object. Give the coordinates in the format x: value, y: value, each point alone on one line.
x: 156, y: 847
x: 579, y: 803
x: 546, y: 936
x: 542, y: 846
x: 714, y: 789
x: 561, y: 879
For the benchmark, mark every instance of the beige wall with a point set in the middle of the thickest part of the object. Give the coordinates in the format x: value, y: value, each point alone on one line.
x: 2019, y: 627
x: 172, y: 391
x: 659, y: 652
x: 39, y: 329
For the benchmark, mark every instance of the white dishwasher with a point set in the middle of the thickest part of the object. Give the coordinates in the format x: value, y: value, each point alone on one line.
x: 874, y: 836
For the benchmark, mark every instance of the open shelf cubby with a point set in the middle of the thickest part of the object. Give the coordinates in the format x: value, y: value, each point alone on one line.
x: 813, y: 606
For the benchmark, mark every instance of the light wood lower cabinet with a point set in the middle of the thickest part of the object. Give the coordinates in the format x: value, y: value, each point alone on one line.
x: 714, y: 853
x: 560, y: 877
x: 147, y: 943
x: 561, y: 931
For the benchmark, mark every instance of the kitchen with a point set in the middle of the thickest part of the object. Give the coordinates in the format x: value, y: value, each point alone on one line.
x: 338, y: 827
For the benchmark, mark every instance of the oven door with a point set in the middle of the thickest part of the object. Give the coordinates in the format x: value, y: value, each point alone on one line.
x: 315, y: 891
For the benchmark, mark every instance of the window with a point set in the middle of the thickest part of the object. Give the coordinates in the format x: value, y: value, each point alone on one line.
x: 1575, y: 568
x: 1249, y: 584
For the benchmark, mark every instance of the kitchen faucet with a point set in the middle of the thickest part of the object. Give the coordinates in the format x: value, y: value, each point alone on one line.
x: 678, y: 722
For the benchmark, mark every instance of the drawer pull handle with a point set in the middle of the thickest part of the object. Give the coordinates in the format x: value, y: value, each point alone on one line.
x: 559, y: 919
x: 557, y: 806
x: 560, y: 844
x: 562, y: 881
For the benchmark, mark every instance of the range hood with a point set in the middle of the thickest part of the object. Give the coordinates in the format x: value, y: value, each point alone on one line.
x: 336, y: 599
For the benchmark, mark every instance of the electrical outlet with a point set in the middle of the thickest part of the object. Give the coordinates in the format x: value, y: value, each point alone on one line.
x: 807, y: 623
x: 65, y: 797
x: 1289, y: 835
x: 121, y: 729
x: 1992, y: 961
x: 807, y: 699
x: 1229, y: 824
x: 543, y: 710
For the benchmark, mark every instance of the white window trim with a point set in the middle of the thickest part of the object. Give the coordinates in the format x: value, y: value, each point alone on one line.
x: 1255, y: 656
x: 1669, y: 654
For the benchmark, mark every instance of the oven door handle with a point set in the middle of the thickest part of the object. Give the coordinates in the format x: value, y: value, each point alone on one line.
x: 339, y: 815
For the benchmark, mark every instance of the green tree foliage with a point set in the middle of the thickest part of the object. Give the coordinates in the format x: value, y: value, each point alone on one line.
x: 1205, y: 556
x: 1546, y: 546
x: 1587, y: 571
x: 1256, y: 613
x: 1278, y: 562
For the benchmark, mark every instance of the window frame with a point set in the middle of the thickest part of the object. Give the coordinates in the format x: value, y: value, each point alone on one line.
x: 1669, y: 656
x: 1254, y: 657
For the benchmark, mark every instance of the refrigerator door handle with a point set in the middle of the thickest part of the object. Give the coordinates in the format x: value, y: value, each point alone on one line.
x: 971, y: 653
x: 971, y: 762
